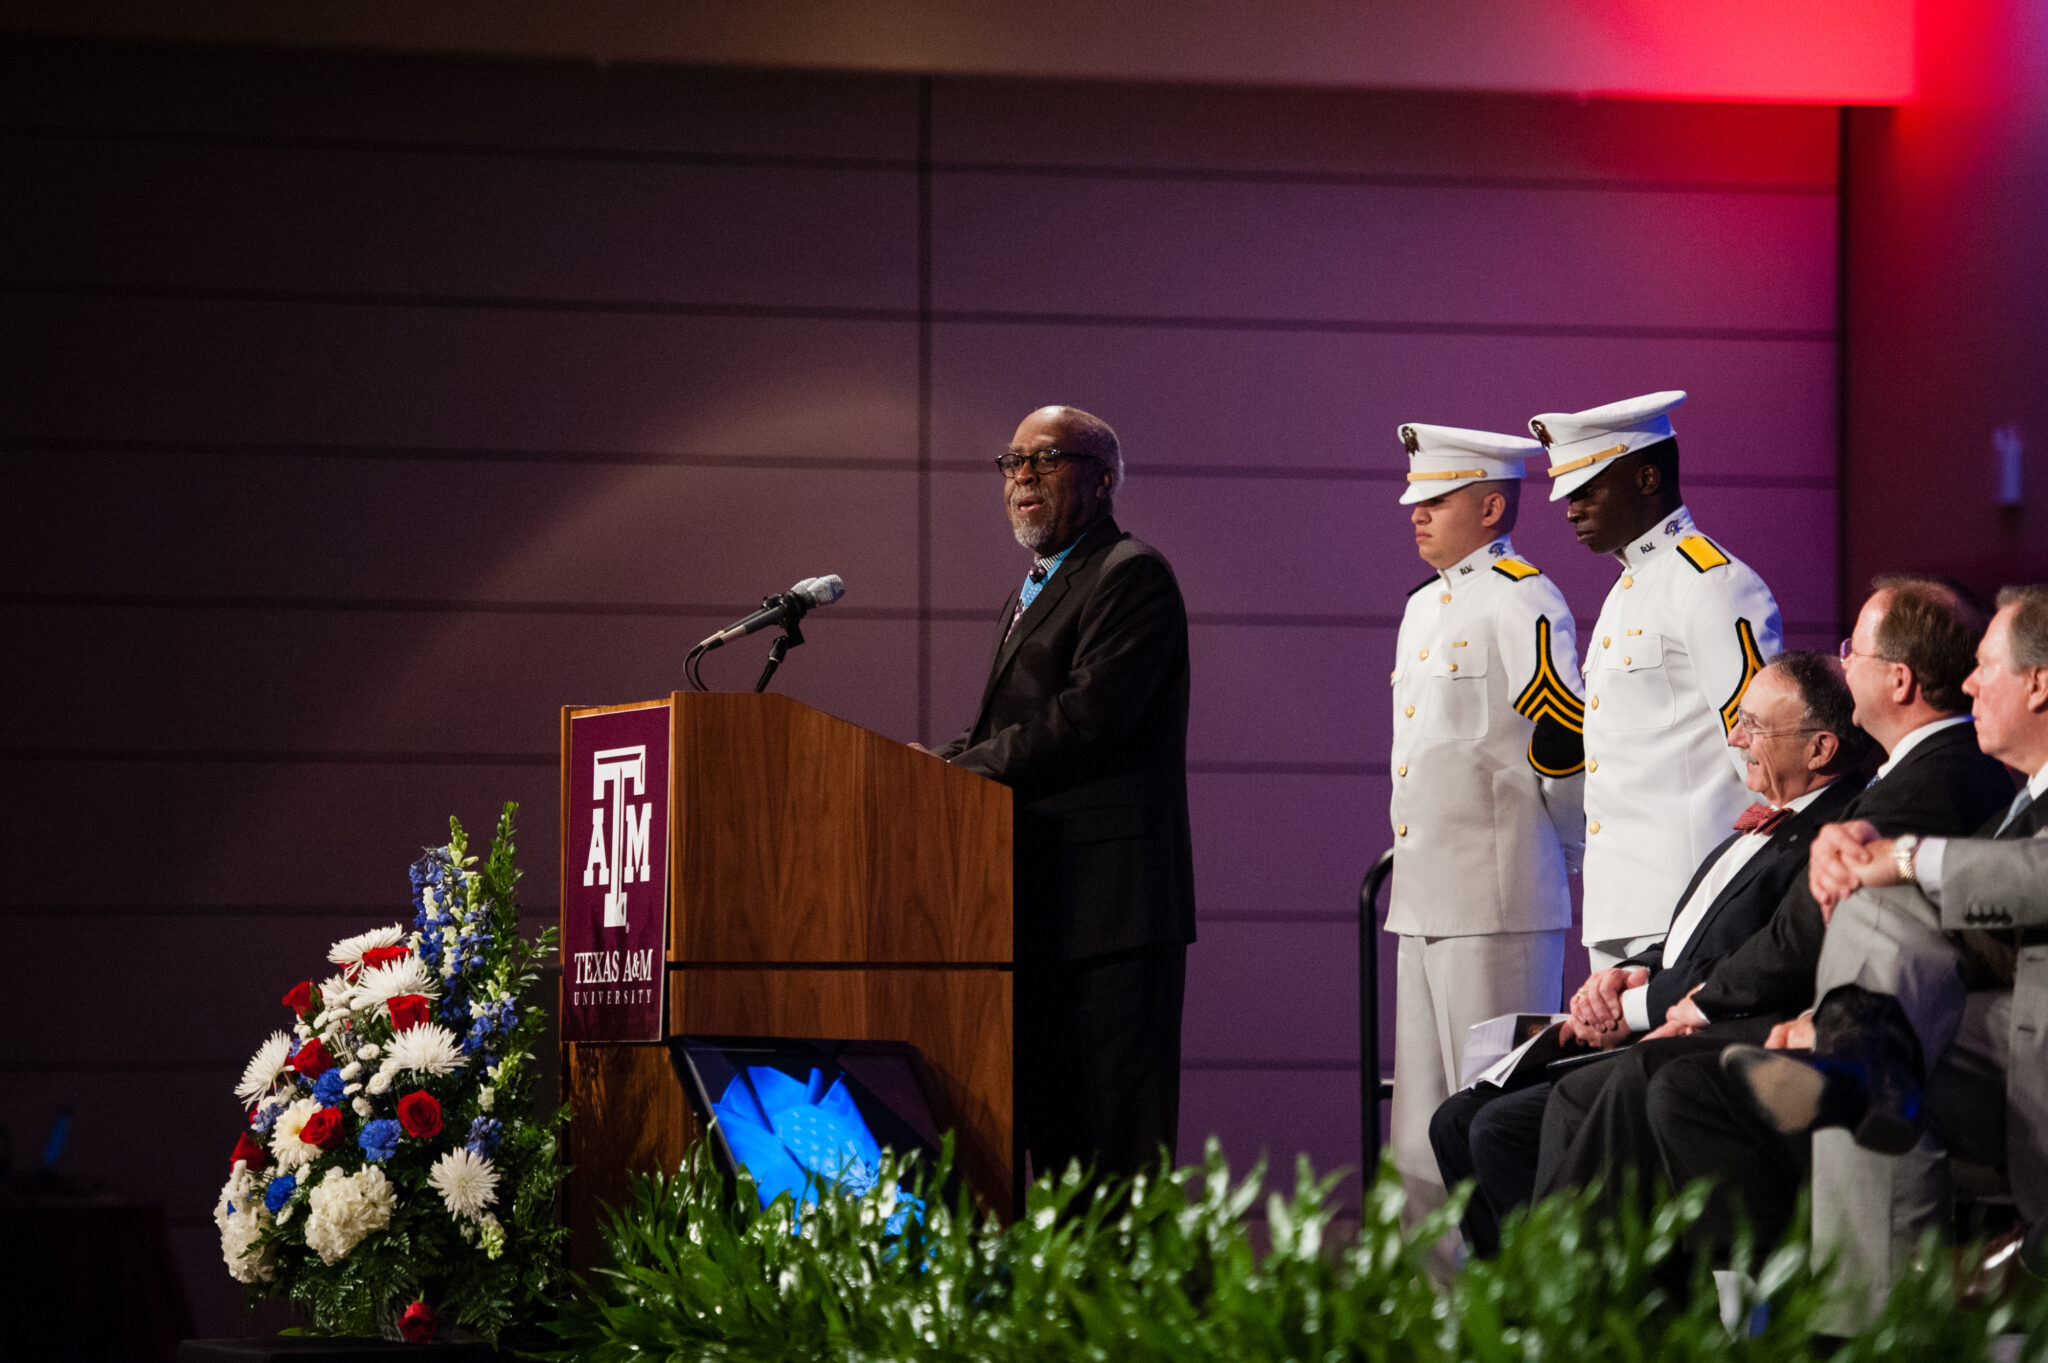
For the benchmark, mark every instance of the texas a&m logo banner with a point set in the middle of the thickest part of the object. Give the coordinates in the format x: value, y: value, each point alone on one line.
x: 615, y: 881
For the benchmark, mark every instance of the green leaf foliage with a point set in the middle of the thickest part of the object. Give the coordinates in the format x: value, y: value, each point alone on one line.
x: 1164, y: 1267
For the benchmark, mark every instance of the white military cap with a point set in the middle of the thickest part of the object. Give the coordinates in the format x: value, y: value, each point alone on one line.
x: 1441, y: 458
x: 1581, y: 443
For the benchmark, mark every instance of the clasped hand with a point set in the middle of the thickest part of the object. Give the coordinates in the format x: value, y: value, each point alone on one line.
x: 1596, y: 1017
x: 1848, y: 857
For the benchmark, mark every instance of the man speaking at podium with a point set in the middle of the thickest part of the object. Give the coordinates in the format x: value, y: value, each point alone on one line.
x: 1085, y: 718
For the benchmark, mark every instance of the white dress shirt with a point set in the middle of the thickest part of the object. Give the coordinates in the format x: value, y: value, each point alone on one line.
x: 1635, y: 1005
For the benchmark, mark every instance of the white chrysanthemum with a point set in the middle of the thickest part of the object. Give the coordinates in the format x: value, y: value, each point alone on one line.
x: 264, y: 1067
x: 380, y: 1083
x: 363, y: 1107
x: 408, y: 975
x: 285, y: 1146
x: 347, y: 1207
x: 348, y: 952
x: 370, y: 1050
x: 466, y: 1181
x: 428, y: 1048
x: 486, y: 1099
x: 240, y: 1216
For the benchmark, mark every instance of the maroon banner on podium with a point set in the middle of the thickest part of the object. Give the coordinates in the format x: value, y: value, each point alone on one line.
x: 615, y: 886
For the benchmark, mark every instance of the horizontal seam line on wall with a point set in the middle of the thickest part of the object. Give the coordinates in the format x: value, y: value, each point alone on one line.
x: 528, y: 912
x: 455, y: 606
x: 533, y: 913
x: 906, y: 316
x: 398, y: 758
x: 1337, y: 1066
x: 838, y: 967
x: 282, y: 450
x: 149, y: 1066
x: 908, y: 165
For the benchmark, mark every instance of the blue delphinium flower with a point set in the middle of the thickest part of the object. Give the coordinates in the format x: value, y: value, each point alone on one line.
x: 379, y: 1138
x: 280, y: 1188
x: 266, y: 1117
x: 327, y: 1088
x: 483, y: 1136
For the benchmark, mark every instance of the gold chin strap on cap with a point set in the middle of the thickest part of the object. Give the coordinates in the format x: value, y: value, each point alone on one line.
x: 1572, y: 466
x: 1440, y: 477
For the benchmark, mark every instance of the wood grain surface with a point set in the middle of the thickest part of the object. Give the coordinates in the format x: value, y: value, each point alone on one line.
x: 800, y: 837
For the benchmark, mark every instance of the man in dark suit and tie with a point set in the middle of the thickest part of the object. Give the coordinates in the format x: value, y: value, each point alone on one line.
x: 1085, y: 718
x: 1906, y: 664
x: 1935, y: 966
x: 1800, y: 749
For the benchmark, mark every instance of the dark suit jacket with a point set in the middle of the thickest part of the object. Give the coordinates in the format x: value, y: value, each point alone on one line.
x: 1945, y: 786
x: 1085, y: 717
x: 1746, y: 903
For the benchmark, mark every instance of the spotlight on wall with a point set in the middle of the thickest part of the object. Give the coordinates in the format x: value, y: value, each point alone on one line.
x: 2007, y: 447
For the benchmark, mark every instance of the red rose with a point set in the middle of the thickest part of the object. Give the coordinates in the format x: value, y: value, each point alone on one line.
x: 322, y: 1129
x: 246, y: 1149
x: 377, y: 956
x: 312, y: 1059
x: 420, y: 1114
x: 417, y: 1324
x: 408, y: 1010
x: 299, y: 997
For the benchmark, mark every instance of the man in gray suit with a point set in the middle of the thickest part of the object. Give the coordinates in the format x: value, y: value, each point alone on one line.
x: 1922, y: 921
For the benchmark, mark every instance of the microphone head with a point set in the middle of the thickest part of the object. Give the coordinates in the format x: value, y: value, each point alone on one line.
x: 820, y: 591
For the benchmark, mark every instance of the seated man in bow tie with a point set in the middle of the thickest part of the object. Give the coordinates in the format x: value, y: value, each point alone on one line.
x: 1906, y: 665
x: 1798, y: 742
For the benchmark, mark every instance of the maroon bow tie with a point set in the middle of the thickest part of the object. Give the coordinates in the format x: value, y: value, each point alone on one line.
x: 1761, y: 818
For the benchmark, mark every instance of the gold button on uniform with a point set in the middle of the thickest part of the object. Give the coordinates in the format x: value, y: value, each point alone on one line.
x: 1410, y: 712
x: 1402, y: 831
x: 1403, y: 771
x: 1592, y: 764
x: 1454, y: 667
x: 1626, y: 660
x: 1607, y: 642
x: 1593, y: 827
x: 1627, y: 582
x: 1425, y: 653
x: 1445, y: 598
x: 1595, y: 703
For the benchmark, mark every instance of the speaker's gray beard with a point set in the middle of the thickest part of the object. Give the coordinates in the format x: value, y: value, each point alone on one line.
x: 1036, y: 538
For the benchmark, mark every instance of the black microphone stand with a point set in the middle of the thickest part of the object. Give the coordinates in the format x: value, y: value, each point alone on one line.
x: 790, y: 637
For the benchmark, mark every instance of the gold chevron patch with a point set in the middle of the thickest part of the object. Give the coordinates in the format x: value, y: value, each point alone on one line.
x: 1557, y: 748
x: 1700, y: 552
x: 1516, y: 569
x: 1752, y: 663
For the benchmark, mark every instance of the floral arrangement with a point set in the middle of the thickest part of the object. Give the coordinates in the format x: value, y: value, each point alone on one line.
x: 390, y: 1179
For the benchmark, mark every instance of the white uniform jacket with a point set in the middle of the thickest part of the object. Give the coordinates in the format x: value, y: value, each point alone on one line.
x: 1486, y: 756
x: 1678, y: 640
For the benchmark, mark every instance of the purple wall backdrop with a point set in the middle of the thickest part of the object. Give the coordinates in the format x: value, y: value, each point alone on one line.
x: 360, y: 412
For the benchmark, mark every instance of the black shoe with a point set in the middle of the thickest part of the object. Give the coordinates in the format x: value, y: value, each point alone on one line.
x: 1865, y: 1073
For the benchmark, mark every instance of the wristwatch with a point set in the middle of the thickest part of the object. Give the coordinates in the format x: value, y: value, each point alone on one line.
x: 1903, y: 849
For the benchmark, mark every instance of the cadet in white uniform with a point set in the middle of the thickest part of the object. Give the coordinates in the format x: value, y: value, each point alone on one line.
x: 1486, y: 765
x: 1679, y: 637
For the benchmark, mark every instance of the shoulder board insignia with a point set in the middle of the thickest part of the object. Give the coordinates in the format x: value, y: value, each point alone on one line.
x: 1752, y: 663
x: 1515, y: 569
x: 1700, y: 552
x: 1424, y: 583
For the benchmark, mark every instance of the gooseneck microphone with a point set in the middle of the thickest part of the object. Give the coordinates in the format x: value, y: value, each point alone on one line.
x: 784, y: 608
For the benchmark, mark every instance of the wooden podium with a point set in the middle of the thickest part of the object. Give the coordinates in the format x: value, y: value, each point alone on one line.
x: 824, y: 881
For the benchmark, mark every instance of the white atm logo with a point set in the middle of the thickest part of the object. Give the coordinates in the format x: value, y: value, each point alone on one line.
x: 623, y: 859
